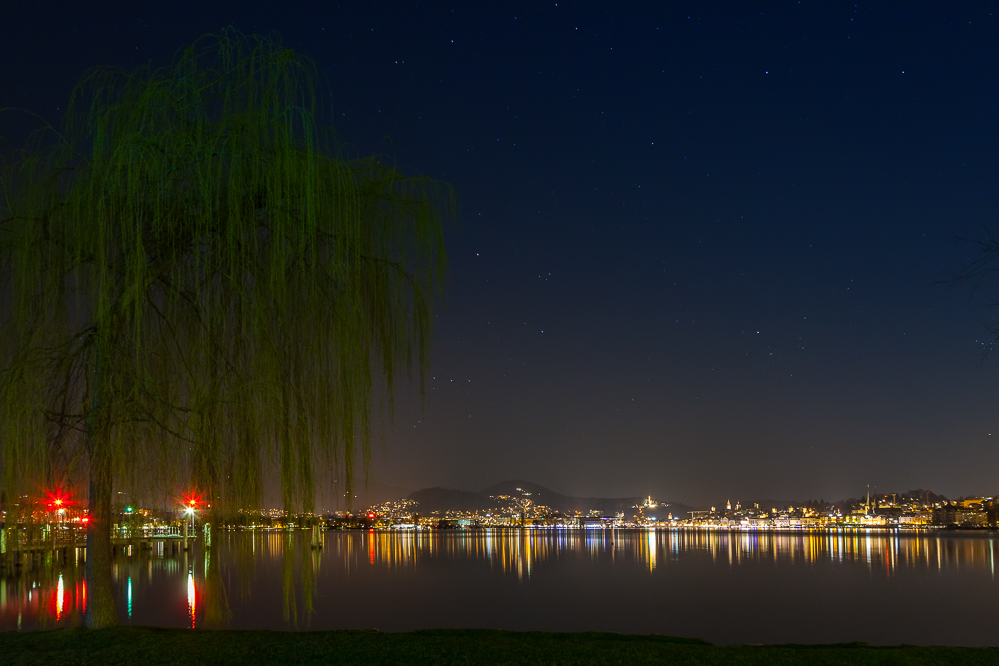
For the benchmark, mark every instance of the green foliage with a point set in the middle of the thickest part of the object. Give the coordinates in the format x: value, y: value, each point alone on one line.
x: 192, y: 280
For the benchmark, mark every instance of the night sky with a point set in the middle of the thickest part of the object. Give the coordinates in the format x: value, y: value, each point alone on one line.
x: 700, y: 246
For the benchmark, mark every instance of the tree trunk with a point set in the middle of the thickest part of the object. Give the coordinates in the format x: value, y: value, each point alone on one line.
x: 100, y: 594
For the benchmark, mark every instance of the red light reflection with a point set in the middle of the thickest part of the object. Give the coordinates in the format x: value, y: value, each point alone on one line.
x: 192, y: 598
x: 60, y: 594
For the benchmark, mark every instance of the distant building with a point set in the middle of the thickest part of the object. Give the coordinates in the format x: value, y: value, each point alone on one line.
x: 910, y: 519
x: 953, y: 514
x: 596, y: 521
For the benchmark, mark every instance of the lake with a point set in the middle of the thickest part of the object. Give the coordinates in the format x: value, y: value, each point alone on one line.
x: 725, y: 587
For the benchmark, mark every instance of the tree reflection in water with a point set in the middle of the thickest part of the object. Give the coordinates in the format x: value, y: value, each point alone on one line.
x: 242, y: 578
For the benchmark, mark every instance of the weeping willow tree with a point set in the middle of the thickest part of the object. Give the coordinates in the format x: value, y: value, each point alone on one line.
x: 194, y: 284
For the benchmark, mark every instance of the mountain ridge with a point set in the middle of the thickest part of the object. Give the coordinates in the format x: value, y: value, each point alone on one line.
x: 439, y: 498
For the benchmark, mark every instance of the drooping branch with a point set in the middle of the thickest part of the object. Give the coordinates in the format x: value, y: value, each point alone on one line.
x: 235, y: 281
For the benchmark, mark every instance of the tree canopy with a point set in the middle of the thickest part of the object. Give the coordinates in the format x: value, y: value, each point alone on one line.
x: 193, y: 281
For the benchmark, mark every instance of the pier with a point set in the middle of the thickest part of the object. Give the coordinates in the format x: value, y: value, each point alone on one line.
x: 29, y: 547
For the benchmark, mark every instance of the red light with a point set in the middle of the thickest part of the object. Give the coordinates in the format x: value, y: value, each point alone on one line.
x: 192, y: 500
x: 85, y: 519
x: 57, y: 498
x: 371, y: 516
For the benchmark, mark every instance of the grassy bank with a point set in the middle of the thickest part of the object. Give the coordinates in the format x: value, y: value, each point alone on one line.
x: 448, y: 646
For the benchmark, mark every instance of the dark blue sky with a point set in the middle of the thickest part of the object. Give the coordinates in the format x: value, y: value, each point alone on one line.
x: 698, y: 248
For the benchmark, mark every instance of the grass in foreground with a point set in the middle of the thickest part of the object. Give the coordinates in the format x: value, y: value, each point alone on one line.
x: 146, y: 646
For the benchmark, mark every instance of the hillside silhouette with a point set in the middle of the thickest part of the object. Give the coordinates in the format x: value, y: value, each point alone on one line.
x: 451, y: 499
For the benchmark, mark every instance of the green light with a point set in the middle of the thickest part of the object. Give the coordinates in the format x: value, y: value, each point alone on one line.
x: 128, y: 509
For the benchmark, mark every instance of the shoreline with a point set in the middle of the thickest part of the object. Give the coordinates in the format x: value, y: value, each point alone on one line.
x: 147, y: 645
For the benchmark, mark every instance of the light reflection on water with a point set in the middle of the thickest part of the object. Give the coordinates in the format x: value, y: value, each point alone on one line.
x: 515, y: 551
x: 722, y: 586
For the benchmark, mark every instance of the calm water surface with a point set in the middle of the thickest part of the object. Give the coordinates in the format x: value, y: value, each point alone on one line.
x: 723, y: 587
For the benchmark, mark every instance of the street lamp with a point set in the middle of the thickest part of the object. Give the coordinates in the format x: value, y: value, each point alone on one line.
x: 56, y: 508
x: 189, y: 506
